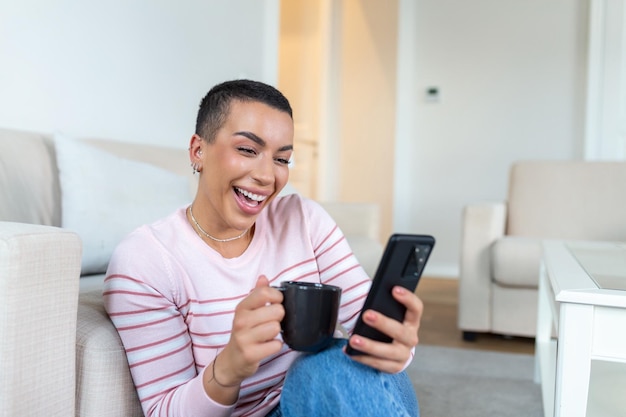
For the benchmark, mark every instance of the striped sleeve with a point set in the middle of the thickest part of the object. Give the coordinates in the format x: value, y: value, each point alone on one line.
x: 338, y: 265
x: 157, y: 341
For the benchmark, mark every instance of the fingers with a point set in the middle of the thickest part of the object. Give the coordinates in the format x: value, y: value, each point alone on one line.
x: 262, y: 281
x: 260, y: 311
x: 381, y: 363
x: 404, y: 332
x: 414, y: 306
x: 261, y: 295
x: 391, y: 357
x: 256, y: 326
x: 387, y: 357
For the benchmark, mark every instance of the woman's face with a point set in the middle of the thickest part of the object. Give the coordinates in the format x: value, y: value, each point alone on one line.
x: 244, y: 168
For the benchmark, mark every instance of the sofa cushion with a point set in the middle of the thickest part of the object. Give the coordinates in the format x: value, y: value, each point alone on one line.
x: 104, y: 197
x: 515, y: 261
x: 28, y: 180
x: 104, y: 386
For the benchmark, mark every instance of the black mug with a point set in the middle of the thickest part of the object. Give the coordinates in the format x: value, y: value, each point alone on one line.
x: 311, y: 311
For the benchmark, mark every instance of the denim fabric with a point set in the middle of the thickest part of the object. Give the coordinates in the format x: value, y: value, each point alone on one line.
x: 331, y: 384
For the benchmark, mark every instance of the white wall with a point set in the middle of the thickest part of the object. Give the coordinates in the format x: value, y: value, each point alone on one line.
x: 511, y: 75
x: 512, y: 80
x: 127, y: 70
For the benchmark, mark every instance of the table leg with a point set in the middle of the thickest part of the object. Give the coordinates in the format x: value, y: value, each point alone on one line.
x: 574, y: 360
x: 544, y: 321
x: 545, y: 349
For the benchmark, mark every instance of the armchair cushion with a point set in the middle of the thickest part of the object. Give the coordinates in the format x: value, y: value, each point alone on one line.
x: 515, y: 260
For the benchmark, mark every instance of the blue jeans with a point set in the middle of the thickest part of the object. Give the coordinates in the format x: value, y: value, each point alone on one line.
x: 329, y: 383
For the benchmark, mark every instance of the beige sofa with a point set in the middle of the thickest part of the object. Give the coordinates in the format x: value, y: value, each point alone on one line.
x: 501, y: 242
x: 65, y: 203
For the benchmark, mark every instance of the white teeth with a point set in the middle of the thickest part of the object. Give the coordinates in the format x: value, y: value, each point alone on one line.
x: 252, y: 196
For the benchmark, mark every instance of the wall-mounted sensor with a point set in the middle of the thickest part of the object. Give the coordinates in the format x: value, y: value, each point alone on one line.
x: 433, y: 94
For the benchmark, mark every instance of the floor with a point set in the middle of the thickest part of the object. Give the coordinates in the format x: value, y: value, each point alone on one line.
x: 439, y: 327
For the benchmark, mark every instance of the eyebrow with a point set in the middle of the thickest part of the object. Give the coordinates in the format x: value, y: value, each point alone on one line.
x: 260, y: 141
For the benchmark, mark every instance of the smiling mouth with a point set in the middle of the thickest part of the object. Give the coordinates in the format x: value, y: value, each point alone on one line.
x: 250, y: 198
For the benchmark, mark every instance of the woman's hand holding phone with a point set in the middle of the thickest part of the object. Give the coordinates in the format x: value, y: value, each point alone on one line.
x: 386, y: 330
x: 390, y: 357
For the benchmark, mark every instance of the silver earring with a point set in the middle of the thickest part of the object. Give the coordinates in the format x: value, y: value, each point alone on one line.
x: 195, y: 168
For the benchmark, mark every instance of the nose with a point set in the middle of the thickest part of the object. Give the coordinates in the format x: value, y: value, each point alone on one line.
x: 263, y: 172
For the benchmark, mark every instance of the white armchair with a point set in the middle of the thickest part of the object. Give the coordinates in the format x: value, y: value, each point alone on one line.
x: 501, y: 242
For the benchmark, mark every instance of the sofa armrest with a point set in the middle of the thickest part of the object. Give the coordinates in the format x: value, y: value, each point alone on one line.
x: 39, y: 273
x: 482, y: 224
x: 355, y: 218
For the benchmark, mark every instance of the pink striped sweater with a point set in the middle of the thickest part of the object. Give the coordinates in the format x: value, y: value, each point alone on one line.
x: 172, y: 299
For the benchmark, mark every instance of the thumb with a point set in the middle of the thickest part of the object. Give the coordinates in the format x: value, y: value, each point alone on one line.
x: 262, y: 281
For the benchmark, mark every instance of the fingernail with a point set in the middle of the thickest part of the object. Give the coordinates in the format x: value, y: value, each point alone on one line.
x: 400, y: 290
x: 370, y: 316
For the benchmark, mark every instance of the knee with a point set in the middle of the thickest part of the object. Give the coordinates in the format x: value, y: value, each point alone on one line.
x: 331, y: 383
x: 326, y: 367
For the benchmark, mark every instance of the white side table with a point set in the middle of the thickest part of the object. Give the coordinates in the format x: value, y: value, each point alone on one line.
x: 582, y: 299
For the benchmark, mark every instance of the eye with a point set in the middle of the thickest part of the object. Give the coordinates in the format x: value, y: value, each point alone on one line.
x: 283, y: 161
x: 248, y: 151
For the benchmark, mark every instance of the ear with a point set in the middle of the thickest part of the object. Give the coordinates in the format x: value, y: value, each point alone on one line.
x: 195, y: 149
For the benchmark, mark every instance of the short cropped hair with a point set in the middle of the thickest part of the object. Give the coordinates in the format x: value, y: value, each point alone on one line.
x: 215, y: 106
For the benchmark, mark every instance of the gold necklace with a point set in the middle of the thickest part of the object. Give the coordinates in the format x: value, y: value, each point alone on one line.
x: 211, y: 237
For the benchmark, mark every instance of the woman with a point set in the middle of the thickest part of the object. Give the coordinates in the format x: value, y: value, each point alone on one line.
x: 190, y: 294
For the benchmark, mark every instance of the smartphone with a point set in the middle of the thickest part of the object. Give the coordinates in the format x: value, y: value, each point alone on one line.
x: 402, y: 263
